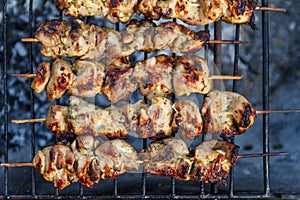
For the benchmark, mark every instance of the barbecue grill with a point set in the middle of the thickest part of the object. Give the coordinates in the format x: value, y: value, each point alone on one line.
x: 26, y: 183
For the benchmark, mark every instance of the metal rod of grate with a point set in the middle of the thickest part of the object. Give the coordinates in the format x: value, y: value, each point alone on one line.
x: 143, y: 193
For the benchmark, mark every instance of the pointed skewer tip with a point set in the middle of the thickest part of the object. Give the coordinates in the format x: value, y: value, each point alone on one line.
x: 24, y: 75
x: 22, y: 121
x: 258, y: 112
x: 227, y: 42
x: 271, y: 9
x: 29, y: 40
x: 254, y: 155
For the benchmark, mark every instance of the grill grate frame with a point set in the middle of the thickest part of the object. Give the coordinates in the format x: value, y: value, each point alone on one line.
x: 229, y: 194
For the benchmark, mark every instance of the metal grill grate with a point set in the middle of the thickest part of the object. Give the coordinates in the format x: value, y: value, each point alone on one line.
x: 143, y: 182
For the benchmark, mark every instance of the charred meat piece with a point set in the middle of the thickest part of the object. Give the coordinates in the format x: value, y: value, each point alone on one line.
x: 85, y: 118
x: 168, y: 157
x: 119, y: 82
x: 89, y: 78
x: 116, y: 157
x: 191, y: 75
x: 187, y: 120
x: 213, y: 161
x: 138, y: 118
x: 56, y: 120
x: 61, y: 79
x: 154, y: 76
x: 152, y: 121
x: 87, y: 169
x: 56, y: 163
x: 43, y: 74
x: 227, y: 113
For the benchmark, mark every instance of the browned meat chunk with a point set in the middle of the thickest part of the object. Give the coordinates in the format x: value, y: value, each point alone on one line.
x: 154, y: 76
x: 61, y: 79
x: 119, y: 82
x: 43, y: 74
x: 187, y: 120
x: 227, y: 113
x: 56, y: 164
x: 191, y: 75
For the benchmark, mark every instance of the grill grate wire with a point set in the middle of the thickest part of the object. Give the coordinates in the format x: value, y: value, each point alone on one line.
x: 143, y: 194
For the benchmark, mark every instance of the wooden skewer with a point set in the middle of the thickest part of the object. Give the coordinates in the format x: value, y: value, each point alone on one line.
x: 225, y: 77
x: 214, y: 77
x: 271, y: 9
x: 227, y: 42
x: 16, y: 165
x: 209, y: 41
x: 140, y: 161
x: 253, y: 155
x: 29, y: 40
x: 21, y: 121
x: 24, y: 75
x: 277, y: 111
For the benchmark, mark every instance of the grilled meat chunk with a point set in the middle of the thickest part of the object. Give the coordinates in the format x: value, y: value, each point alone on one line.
x: 43, y: 74
x: 119, y: 83
x: 87, y: 168
x: 56, y: 164
x: 89, y: 41
x: 85, y: 118
x: 187, y: 120
x: 152, y: 121
x: 227, y: 113
x: 191, y: 75
x: 154, y: 76
x: 213, y: 161
x: 168, y: 157
x: 116, y: 157
x: 89, y: 78
x: 56, y: 120
x: 61, y: 79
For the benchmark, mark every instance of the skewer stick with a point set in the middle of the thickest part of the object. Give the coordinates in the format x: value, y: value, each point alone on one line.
x: 225, y: 77
x: 214, y: 77
x: 24, y: 75
x: 16, y: 165
x: 209, y: 41
x: 271, y: 9
x: 22, y: 121
x: 227, y: 42
x: 29, y: 40
x: 277, y: 111
x: 261, y: 155
x: 140, y: 161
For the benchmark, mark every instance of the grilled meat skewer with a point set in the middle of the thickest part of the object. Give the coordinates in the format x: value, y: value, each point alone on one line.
x: 81, y: 40
x: 226, y: 113
x: 192, y: 12
x: 88, y: 160
x: 158, y: 76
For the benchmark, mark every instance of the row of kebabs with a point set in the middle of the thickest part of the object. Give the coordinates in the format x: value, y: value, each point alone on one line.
x: 193, y: 12
x: 59, y: 38
x: 88, y: 160
x: 158, y: 76
x: 225, y: 113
